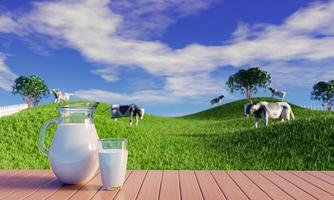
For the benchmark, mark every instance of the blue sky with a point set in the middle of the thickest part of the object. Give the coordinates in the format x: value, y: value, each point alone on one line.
x: 169, y: 56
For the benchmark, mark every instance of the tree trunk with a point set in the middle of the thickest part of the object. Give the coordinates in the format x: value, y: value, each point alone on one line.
x: 30, y: 104
x: 30, y: 101
x: 248, y: 93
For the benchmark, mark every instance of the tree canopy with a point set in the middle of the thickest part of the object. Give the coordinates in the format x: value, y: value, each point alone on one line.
x: 248, y: 81
x: 31, y: 88
x: 324, y: 91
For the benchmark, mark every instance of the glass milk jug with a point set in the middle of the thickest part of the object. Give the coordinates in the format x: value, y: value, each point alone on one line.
x: 73, y: 153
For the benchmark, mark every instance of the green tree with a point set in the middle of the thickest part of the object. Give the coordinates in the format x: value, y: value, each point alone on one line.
x: 31, y: 88
x: 248, y: 81
x: 324, y: 91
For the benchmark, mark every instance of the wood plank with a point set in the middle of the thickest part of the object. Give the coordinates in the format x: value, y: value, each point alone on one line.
x: 288, y: 187
x: 46, y: 190
x: 170, y: 186
x: 307, y: 187
x: 151, y: 187
x: 4, y: 172
x: 246, y: 185
x: 208, y: 185
x: 131, y: 188
x: 106, y: 194
x: 190, y: 189
x: 268, y: 187
x: 8, y: 178
x: 32, y: 186
x: 230, y: 189
x: 67, y: 191
x: 322, y: 176
x: 329, y: 173
x: 7, y: 175
x: 19, y: 180
x: 315, y: 181
x: 89, y: 190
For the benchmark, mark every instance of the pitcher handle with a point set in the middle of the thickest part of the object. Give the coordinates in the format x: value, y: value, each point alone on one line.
x: 41, y: 136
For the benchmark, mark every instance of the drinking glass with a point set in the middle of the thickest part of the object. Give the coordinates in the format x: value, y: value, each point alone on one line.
x: 113, y: 157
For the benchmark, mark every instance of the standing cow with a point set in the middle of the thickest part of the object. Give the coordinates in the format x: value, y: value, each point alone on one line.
x: 217, y: 100
x: 265, y: 110
x: 275, y: 92
x: 132, y: 110
x: 60, y: 96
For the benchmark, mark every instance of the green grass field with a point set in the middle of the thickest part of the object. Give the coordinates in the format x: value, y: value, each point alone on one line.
x: 219, y: 138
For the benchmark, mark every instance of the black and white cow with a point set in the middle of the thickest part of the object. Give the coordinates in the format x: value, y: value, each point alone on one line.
x: 279, y: 93
x: 60, y: 96
x: 132, y: 110
x: 217, y: 100
x: 265, y: 110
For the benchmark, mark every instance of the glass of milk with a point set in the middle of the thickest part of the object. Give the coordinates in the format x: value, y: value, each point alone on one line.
x: 113, y: 157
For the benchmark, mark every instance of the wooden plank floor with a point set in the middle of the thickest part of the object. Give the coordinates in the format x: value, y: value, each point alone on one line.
x: 174, y: 185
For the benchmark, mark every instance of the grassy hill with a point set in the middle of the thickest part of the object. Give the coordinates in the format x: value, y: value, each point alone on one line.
x: 218, y: 138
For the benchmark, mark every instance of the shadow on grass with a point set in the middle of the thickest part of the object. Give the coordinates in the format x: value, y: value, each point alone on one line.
x: 306, y: 144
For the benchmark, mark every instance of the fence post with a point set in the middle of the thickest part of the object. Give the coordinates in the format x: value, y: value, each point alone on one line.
x: 11, y: 109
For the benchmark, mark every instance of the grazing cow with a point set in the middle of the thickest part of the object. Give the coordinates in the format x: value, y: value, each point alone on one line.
x: 217, y: 100
x: 132, y: 110
x: 60, y: 96
x: 265, y: 110
x: 278, y: 93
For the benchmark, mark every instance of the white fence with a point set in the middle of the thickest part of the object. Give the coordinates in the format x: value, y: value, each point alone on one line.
x: 315, y: 107
x: 181, y: 114
x: 9, y: 110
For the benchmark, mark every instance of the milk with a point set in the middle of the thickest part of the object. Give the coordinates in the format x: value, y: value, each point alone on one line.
x: 113, y: 167
x: 74, y: 152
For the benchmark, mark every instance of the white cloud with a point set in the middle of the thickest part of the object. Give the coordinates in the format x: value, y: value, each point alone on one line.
x: 7, y: 77
x: 305, y: 74
x: 175, y: 89
x: 121, y: 98
x: 95, y: 37
x: 150, y: 18
x: 9, y: 25
x: 192, y: 85
x: 108, y: 74
x: 317, y: 18
x: 93, y: 28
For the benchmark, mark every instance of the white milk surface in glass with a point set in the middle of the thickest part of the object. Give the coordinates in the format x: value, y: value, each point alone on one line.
x: 113, y: 167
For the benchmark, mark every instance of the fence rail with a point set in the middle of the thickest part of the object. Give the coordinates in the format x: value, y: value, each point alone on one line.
x: 12, y: 109
x: 315, y: 107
